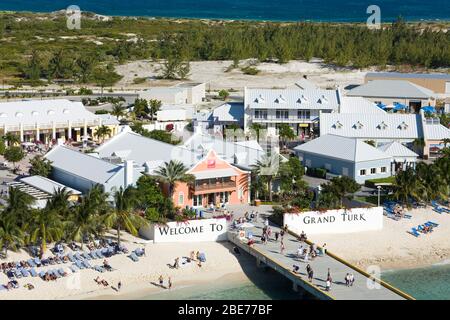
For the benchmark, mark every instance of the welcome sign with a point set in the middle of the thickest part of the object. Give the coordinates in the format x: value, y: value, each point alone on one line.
x: 189, y: 231
x: 336, y: 221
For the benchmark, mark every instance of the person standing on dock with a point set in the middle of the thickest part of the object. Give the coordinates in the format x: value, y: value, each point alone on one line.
x: 328, y: 285
x: 282, y: 247
x: 310, y: 272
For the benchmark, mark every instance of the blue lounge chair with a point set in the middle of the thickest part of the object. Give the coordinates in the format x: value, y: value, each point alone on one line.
x: 24, y: 272
x: 55, y: 273
x: 78, y: 256
x: 99, y: 254
x: 407, y: 216
x: 92, y: 255
x: 61, y: 272
x: 414, y: 232
x: 433, y: 223
x: 133, y: 257
x: 79, y: 264
x: 71, y: 257
x: 99, y: 269
x: 86, y: 256
x: 74, y: 268
x: 42, y: 274
x: 31, y: 262
x: 86, y: 264
x: 33, y: 272
x: 17, y: 273
x: 37, y: 261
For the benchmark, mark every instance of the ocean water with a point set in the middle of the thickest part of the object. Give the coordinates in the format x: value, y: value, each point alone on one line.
x: 275, y: 10
x: 431, y: 283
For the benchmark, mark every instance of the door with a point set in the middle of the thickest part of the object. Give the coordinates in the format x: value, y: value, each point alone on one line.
x: 211, y: 198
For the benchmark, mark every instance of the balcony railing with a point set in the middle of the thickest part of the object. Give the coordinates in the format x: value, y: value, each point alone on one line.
x: 212, y: 186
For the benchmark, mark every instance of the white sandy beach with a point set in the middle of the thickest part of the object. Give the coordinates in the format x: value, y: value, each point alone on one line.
x: 135, y: 276
x: 393, y: 247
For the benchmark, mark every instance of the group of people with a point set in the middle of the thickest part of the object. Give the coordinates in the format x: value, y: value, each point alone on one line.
x: 349, y: 279
x: 101, y: 281
x: 161, y: 282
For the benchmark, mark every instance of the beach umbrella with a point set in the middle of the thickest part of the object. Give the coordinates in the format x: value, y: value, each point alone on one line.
x: 381, y: 105
x: 429, y: 109
x: 399, y: 106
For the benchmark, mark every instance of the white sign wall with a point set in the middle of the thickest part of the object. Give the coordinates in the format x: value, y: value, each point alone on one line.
x: 336, y: 221
x: 190, y: 231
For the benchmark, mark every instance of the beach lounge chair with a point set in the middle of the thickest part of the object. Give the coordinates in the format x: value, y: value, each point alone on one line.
x: 79, y: 264
x: 2, y: 287
x: 202, y: 257
x: 100, y: 269
x: 92, y: 255
x: 86, y: 256
x: 74, y: 268
x: 37, y: 261
x: 414, y: 232
x: 78, y: 256
x: 33, y: 272
x: 31, y: 263
x: 86, y: 264
x: 433, y: 223
x: 24, y: 272
x: 55, y: 273
x: 61, y: 272
x: 71, y: 257
x: 407, y: 216
x: 17, y: 273
x: 42, y: 274
x: 133, y: 257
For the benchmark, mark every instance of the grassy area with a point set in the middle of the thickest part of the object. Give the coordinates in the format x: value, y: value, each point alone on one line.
x: 372, y: 199
x: 371, y: 183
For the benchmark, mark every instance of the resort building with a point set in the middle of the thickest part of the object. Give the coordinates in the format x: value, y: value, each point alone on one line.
x: 397, y: 95
x: 436, y: 82
x: 49, y: 120
x: 402, y: 157
x: 345, y: 156
x: 298, y: 108
x: 384, y: 128
x: 221, y: 167
x: 184, y: 93
x: 42, y: 189
x: 83, y: 171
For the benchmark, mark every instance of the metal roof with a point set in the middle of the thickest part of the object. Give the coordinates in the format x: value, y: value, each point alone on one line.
x: 396, y: 149
x: 82, y: 165
x: 359, y: 105
x: 391, y: 89
x: 317, y: 99
x: 47, y: 185
x: 372, y: 126
x: 342, y: 148
x: 436, y: 131
x: 400, y: 75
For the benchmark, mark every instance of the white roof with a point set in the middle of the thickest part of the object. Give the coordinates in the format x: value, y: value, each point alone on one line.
x: 359, y: 105
x: 253, y: 144
x: 230, y: 112
x: 372, y: 126
x: 47, y: 185
x: 396, y: 149
x: 291, y: 99
x: 108, y: 119
x: 44, y: 112
x: 436, y: 131
x: 343, y: 148
x: 216, y: 173
x: 391, y: 89
x: 82, y: 165
x: 306, y: 84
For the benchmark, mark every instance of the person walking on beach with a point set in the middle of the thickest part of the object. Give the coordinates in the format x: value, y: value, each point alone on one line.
x: 282, y: 247
x: 347, y: 279
x: 119, y: 285
x: 310, y: 273
x: 328, y: 285
x: 169, y: 284
x: 329, y: 275
x: 276, y: 236
x: 351, y: 279
x: 161, y: 281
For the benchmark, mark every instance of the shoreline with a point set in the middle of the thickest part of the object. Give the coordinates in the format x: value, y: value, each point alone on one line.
x: 239, y: 19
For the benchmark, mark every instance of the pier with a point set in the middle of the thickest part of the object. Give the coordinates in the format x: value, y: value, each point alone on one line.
x: 365, y: 286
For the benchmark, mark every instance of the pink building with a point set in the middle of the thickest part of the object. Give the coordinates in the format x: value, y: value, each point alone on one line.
x: 216, y: 182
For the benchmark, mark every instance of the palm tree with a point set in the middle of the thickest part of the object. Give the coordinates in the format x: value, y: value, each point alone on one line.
x: 19, y: 205
x: 11, y: 235
x: 11, y: 138
x: 103, y: 131
x: 431, y: 180
x: 419, y: 144
x: 118, y: 111
x: 84, y: 221
x: 154, y: 107
x: 123, y: 215
x: 173, y: 172
x: 59, y: 201
x: 256, y: 127
x: 407, y: 185
x: 286, y: 133
x: 46, y: 226
x: 268, y: 166
x: 446, y: 141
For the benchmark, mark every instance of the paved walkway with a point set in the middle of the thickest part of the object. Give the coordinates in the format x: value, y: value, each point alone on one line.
x: 362, y: 289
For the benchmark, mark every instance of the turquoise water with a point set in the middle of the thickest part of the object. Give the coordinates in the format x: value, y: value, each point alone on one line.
x: 284, y: 10
x: 432, y: 283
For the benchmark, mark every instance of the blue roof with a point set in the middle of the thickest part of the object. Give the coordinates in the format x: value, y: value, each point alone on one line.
x: 444, y: 76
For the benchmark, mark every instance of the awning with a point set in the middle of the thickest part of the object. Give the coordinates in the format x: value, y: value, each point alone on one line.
x: 399, y: 106
x: 217, y: 173
x: 429, y: 109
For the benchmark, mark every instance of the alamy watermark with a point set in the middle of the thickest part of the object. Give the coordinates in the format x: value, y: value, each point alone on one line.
x: 374, y: 20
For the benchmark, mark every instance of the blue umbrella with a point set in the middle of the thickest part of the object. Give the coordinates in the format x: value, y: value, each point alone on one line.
x: 429, y: 109
x: 381, y: 105
x: 399, y: 106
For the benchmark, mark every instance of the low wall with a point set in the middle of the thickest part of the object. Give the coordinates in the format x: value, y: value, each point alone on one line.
x: 335, y: 221
x: 189, y: 231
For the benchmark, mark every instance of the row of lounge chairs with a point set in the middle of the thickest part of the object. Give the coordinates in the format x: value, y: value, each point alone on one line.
x: 422, y: 228
x: 438, y: 208
x: 139, y: 252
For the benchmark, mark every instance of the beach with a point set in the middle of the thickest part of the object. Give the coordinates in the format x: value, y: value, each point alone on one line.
x: 392, y: 247
x: 135, y: 277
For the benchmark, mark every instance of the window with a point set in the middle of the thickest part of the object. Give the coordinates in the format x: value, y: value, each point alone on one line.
x: 383, y: 169
x: 304, y: 114
x: 362, y: 172
x: 224, y: 197
x: 198, y: 200
x: 181, y: 198
x: 282, y: 114
x: 373, y: 170
x: 260, y: 114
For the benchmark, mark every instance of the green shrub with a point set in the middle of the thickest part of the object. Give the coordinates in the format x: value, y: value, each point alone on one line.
x: 252, y: 71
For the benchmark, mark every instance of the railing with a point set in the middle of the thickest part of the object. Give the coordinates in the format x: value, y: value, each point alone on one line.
x: 211, y: 186
x: 290, y: 119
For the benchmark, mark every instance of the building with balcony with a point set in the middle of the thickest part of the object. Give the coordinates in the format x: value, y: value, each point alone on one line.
x: 299, y: 108
x: 48, y: 120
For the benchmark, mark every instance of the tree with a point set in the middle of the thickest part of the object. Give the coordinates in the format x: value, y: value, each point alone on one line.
x: 14, y: 154
x: 46, y: 226
x: 286, y: 133
x: 407, y: 185
x: 340, y: 187
x: 155, y: 106
x: 175, y: 68
x: 140, y: 108
x: 85, y: 66
x: 59, y: 202
x: 446, y: 141
x: 172, y: 172
x: 18, y: 205
x: 11, y: 138
x: 123, y: 217
x: 419, y: 144
x: 118, y: 111
x: 268, y: 166
x: 33, y: 68
x: 257, y: 127
x: 40, y: 166
x: 11, y: 235
x: 102, y: 131
x: 224, y: 94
